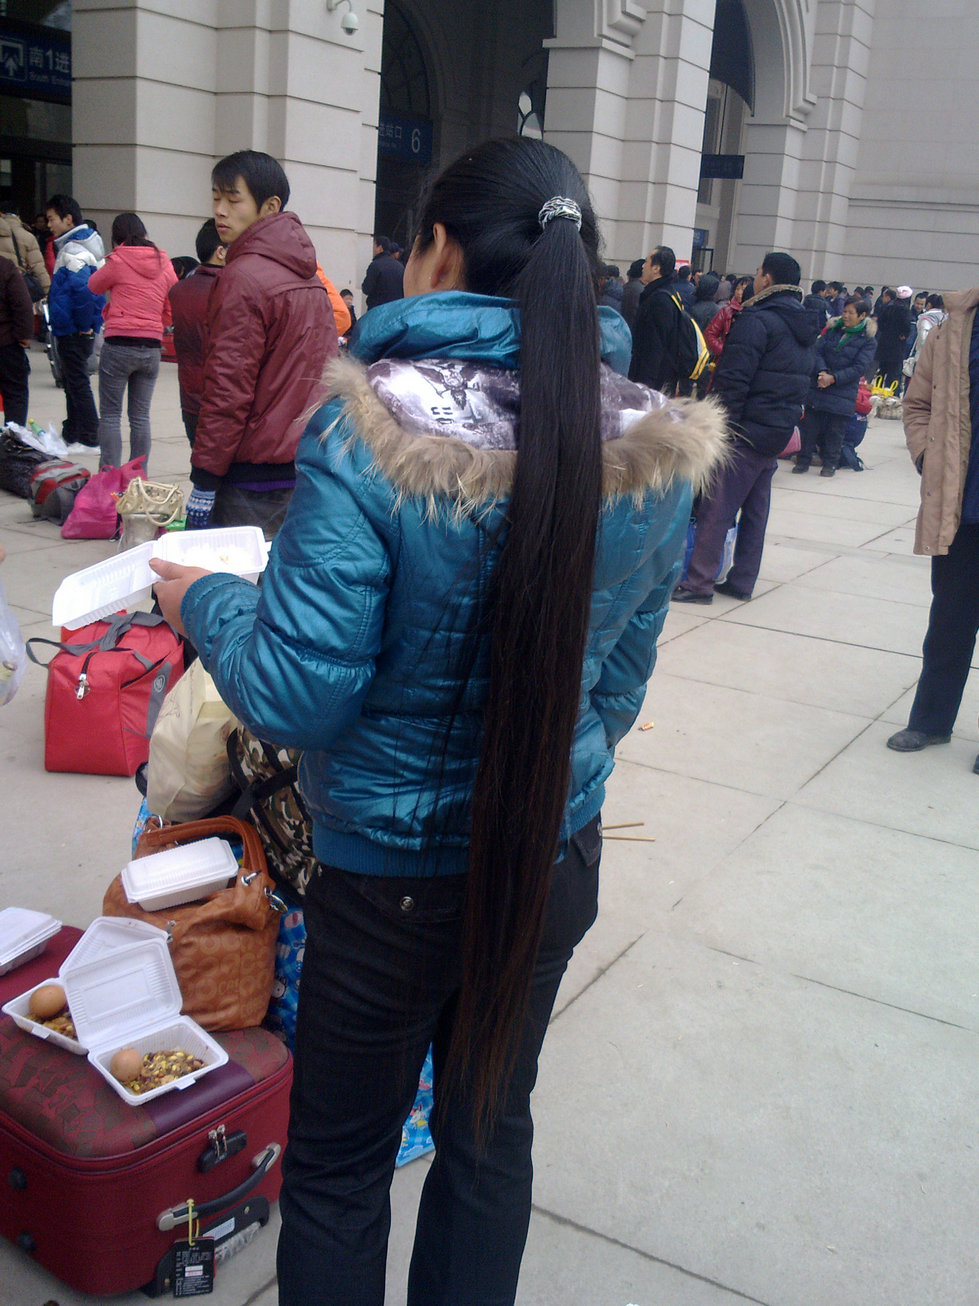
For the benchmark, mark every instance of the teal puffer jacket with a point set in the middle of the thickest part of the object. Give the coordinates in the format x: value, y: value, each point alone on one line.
x: 357, y: 646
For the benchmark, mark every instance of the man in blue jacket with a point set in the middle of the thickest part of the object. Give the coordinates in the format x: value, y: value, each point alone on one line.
x: 76, y: 314
x: 762, y: 379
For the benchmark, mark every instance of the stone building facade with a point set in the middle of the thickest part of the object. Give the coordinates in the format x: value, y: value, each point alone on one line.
x: 833, y: 127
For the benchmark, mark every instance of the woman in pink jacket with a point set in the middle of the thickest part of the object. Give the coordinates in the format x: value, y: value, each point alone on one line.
x: 136, y: 276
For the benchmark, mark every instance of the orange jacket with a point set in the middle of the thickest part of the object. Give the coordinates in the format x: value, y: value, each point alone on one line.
x: 340, y: 310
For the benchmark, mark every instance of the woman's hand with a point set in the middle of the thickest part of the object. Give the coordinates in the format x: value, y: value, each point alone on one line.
x: 170, y: 589
x: 825, y: 379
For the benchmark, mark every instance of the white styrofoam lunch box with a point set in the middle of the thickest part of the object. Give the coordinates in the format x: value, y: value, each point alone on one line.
x: 105, y: 935
x: 126, y: 578
x: 24, y: 935
x: 130, y: 998
x: 182, y: 874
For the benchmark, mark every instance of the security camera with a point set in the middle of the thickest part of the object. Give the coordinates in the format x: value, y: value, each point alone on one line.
x: 350, y: 23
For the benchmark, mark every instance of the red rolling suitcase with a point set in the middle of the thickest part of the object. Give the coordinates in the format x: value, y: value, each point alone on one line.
x: 97, y: 1190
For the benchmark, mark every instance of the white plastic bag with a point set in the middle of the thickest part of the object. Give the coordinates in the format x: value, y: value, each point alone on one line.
x: 13, y: 655
x: 45, y: 440
x: 188, y: 772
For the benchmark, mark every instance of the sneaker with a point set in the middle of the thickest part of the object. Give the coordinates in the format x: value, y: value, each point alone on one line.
x: 827, y: 471
x: 912, y: 741
x: 681, y: 595
x: 800, y: 469
x: 725, y: 587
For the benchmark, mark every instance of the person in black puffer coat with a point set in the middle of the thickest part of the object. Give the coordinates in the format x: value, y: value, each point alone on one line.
x: 844, y: 353
x: 762, y: 379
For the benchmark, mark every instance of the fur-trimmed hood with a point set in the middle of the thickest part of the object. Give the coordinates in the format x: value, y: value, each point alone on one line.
x: 447, y: 430
x: 870, y: 326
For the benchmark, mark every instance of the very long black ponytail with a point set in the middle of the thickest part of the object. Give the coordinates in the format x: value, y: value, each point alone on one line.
x: 489, y: 201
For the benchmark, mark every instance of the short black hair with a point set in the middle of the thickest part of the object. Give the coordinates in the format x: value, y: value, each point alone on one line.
x: 610, y: 270
x: 683, y: 274
x: 263, y: 175
x: 782, y: 268
x: 859, y: 303
x: 207, y: 241
x: 635, y: 269
x: 346, y: 291
x: 818, y: 287
x: 665, y: 259
x: 935, y: 301
x: 384, y: 243
x: 65, y: 207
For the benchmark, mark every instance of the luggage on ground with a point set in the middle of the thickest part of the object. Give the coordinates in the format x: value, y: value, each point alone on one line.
x: 106, y: 685
x: 97, y: 1190
x: 53, y: 487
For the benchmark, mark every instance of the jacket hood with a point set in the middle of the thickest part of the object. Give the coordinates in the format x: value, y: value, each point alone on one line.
x: 707, y: 286
x: 86, y: 238
x: 961, y: 301
x: 280, y: 237
x: 141, y: 259
x: 473, y: 328
x: 869, y: 325
x: 787, y: 302
x: 465, y: 457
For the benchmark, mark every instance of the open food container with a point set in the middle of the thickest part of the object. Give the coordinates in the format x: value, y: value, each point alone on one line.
x: 126, y: 578
x: 24, y: 935
x: 130, y: 998
x: 182, y: 874
x: 106, y: 934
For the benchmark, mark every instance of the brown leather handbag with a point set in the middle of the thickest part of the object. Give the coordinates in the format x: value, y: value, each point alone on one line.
x: 222, y: 948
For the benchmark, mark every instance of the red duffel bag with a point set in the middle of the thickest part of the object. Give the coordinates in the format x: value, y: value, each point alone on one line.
x: 106, y: 685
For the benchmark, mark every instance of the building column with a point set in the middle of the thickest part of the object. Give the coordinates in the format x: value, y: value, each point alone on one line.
x: 626, y: 95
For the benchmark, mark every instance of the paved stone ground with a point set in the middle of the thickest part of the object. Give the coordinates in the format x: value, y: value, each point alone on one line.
x: 761, y: 1080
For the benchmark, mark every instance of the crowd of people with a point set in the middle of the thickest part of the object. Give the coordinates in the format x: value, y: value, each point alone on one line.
x: 476, y: 537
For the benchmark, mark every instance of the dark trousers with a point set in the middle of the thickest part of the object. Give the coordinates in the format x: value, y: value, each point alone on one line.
x: 82, y: 421
x: 14, y: 371
x: 951, y: 637
x: 745, y: 484
x: 190, y: 424
x: 822, y: 431
x: 235, y: 506
x: 380, y: 983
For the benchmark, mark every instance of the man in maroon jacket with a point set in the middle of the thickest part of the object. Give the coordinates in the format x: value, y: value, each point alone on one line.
x: 270, y: 330
x: 188, y: 303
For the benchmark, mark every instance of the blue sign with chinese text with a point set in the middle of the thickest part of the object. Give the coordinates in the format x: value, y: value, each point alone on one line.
x: 404, y: 138
x: 35, y: 65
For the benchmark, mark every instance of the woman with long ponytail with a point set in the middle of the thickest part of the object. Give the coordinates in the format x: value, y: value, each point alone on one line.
x: 457, y: 624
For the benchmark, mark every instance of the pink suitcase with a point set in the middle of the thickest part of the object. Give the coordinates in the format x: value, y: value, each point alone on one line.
x: 97, y: 1190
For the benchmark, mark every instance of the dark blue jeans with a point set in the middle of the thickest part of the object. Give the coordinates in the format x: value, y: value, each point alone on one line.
x: 14, y: 371
x: 822, y: 431
x: 951, y: 637
x: 379, y: 985
x: 82, y: 421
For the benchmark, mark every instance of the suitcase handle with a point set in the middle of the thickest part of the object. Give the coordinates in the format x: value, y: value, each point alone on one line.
x: 261, y: 1165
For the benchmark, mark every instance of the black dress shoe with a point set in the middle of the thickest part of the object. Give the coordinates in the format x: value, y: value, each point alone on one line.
x: 827, y: 471
x: 800, y: 468
x: 681, y: 595
x: 911, y: 741
x: 727, y: 588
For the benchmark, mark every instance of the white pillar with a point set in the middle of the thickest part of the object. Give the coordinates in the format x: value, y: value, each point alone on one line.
x: 627, y: 89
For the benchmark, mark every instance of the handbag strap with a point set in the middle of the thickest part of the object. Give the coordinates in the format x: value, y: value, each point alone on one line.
x: 189, y: 831
x: 116, y: 627
x: 20, y: 261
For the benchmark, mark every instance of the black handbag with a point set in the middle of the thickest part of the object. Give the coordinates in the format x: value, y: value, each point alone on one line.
x: 17, y: 463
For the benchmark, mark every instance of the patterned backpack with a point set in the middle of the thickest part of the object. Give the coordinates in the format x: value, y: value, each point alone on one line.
x: 270, y: 799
